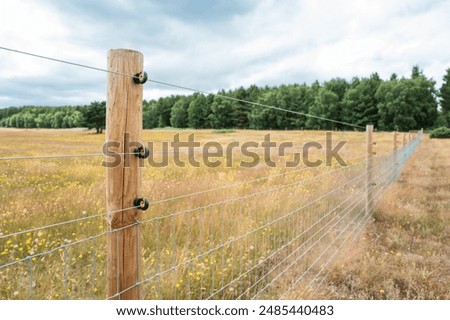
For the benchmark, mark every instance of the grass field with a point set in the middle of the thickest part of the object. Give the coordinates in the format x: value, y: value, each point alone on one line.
x: 41, y: 192
x: 405, y: 253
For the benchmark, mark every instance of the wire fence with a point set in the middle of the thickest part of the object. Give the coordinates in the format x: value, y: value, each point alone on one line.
x: 269, y: 237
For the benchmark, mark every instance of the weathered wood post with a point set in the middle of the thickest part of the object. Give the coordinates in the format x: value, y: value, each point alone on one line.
x: 395, y: 151
x: 395, y: 145
x: 395, y: 140
x: 369, y: 166
x: 123, y: 180
x: 404, y: 139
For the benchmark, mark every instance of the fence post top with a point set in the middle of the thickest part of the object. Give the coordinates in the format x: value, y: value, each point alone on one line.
x: 124, y: 51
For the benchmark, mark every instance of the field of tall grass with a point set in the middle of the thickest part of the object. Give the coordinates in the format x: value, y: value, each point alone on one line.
x: 404, y: 253
x: 221, y: 242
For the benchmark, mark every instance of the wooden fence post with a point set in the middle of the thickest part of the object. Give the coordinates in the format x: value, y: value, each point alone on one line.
x: 123, y: 181
x: 369, y: 166
x: 404, y: 139
x: 395, y: 147
x: 395, y: 134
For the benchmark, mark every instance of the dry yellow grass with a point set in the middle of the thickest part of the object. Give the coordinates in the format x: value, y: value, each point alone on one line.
x: 405, y: 252
x: 35, y: 193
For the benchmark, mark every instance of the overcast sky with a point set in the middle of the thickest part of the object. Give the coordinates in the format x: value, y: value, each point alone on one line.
x: 212, y: 45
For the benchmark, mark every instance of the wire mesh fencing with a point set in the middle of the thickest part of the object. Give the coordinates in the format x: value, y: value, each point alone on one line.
x: 262, y: 238
x: 262, y: 244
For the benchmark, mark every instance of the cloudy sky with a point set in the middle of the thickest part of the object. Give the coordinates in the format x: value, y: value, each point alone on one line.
x: 211, y: 45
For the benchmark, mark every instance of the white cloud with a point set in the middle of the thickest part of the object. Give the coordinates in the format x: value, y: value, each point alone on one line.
x: 29, y: 26
x: 261, y: 42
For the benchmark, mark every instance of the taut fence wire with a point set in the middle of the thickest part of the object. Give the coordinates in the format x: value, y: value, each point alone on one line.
x: 185, y: 88
x: 270, y: 241
x: 270, y: 237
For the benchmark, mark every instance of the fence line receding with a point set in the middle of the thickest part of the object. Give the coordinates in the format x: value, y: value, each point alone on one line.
x: 262, y: 239
x: 269, y: 237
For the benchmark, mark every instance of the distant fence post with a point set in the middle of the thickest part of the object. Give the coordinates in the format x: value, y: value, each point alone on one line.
x: 369, y: 165
x: 395, y: 143
x: 123, y: 181
x: 404, y: 139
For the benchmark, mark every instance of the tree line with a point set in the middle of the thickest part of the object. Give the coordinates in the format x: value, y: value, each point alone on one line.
x: 91, y: 116
x: 394, y: 104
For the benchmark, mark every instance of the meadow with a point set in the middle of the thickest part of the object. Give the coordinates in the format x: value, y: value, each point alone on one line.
x: 405, y: 253
x: 232, y: 237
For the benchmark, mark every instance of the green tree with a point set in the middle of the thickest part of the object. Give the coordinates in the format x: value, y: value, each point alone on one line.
x: 149, y: 114
x: 74, y: 119
x: 6, y: 113
x: 423, y: 95
x: 241, y: 109
x: 416, y: 72
x: 29, y: 120
x: 43, y: 120
x: 394, y: 110
x: 444, y: 101
x: 57, y: 120
x: 339, y: 87
x: 284, y: 97
x: 360, y: 105
x: 262, y: 117
x: 16, y: 121
x: 179, y: 113
x: 94, y: 116
x: 198, y: 112
x: 221, y: 115
x: 326, y: 105
x: 163, y: 110
x: 298, y: 98
x: 407, y: 103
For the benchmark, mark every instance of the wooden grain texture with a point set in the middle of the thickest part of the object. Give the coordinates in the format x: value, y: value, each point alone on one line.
x: 123, y: 182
